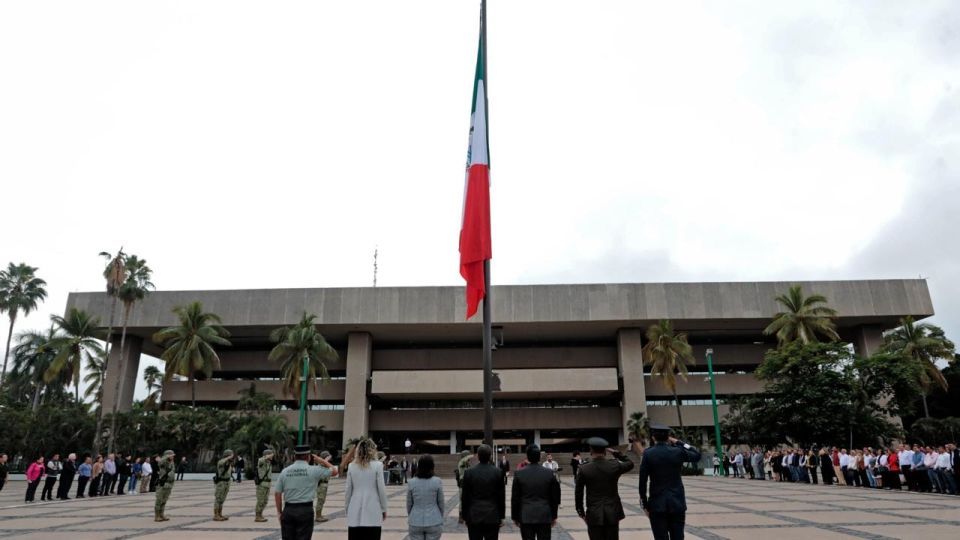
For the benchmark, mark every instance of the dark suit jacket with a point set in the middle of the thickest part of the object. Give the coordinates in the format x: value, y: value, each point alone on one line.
x: 661, y: 465
x: 484, y: 495
x: 504, y: 466
x: 600, y: 478
x: 536, y: 496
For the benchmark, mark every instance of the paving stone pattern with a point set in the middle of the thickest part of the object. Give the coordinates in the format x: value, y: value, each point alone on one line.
x: 720, y: 508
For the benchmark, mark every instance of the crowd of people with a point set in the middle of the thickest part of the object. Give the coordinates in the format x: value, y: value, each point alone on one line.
x: 101, y: 476
x: 919, y: 468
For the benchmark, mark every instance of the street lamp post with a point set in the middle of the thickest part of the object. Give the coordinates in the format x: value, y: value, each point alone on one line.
x: 716, y: 413
x: 303, y: 397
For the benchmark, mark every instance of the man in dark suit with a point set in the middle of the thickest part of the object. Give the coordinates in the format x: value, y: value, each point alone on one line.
x: 536, y: 498
x: 600, y: 479
x: 484, y: 501
x: 504, y: 467
x: 661, y: 464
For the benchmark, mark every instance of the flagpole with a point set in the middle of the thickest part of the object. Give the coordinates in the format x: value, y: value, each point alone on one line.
x: 487, y: 292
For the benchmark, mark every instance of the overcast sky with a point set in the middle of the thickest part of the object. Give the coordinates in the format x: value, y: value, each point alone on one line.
x: 276, y: 144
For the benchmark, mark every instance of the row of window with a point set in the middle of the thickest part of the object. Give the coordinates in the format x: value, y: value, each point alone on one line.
x: 672, y: 403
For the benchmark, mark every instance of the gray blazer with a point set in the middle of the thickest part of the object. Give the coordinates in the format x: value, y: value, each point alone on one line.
x: 425, y: 502
x: 366, y: 496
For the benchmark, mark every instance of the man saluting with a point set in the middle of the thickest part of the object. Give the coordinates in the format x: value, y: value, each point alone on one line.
x: 667, y: 505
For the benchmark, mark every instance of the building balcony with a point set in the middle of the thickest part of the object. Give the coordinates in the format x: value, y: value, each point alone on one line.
x: 699, y: 385
x: 693, y: 415
x: 179, y: 391
x: 503, y: 419
x: 514, y: 383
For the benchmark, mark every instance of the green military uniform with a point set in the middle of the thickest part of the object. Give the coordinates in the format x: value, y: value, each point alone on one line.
x: 322, y: 486
x: 166, y: 471
x: 462, y: 467
x: 264, y: 468
x: 223, y: 480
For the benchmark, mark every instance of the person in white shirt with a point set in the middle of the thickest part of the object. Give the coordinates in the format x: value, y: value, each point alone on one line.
x: 905, y: 456
x: 945, y: 478
x: 145, y: 472
x: 930, y: 463
x: 551, y: 464
x: 845, y: 467
x: 869, y: 462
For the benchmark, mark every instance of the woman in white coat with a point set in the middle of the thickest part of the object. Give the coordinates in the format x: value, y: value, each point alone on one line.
x: 366, y: 494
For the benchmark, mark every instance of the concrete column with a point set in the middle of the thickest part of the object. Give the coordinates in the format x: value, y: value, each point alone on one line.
x: 630, y: 366
x: 536, y: 437
x: 867, y: 339
x: 131, y: 368
x: 356, y: 408
x: 453, y: 441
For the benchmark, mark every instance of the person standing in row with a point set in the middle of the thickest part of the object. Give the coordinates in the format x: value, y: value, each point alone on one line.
x: 261, y: 477
x: 53, y: 474
x: 124, y: 468
x: 35, y: 472
x: 222, y: 481
x: 483, y: 503
x: 295, y: 489
x: 536, y: 497
x: 504, y: 467
x: 155, y: 475
x: 181, y: 468
x: 425, y: 502
x: 322, y: 486
x: 666, y: 505
x: 146, y: 472
x: 365, y: 498
x: 239, y: 466
x: 96, y: 477
x: 600, y: 479
x: 165, y: 479
x: 66, y: 477
x: 136, y: 469
x: 84, y: 472
x: 4, y: 471
x: 109, y: 475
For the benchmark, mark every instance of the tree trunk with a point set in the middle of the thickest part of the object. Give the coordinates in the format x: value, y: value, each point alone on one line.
x: 76, y: 389
x: 106, y: 363
x: 676, y: 400
x: 36, y: 399
x: 6, y: 354
x: 193, y: 392
x: 926, y: 410
x: 116, y: 386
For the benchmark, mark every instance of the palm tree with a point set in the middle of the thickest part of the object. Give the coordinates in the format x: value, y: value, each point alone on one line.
x: 152, y: 376
x: 77, y: 339
x: 923, y: 343
x: 134, y: 288
x: 293, y: 344
x: 96, y: 368
x: 189, y: 347
x: 668, y: 355
x: 32, y: 357
x: 804, y: 319
x: 115, y: 274
x: 638, y: 427
x: 20, y: 292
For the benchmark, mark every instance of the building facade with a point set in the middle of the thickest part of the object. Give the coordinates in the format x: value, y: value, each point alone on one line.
x: 568, y: 357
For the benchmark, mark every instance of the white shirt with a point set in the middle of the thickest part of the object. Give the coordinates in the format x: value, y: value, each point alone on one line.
x: 943, y: 461
x: 884, y: 461
x: 906, y: 458
x: 552, y: 465
x: 930, y: 460
x: 785, y: 461
x: 147, y: 470
x: 844, y: 460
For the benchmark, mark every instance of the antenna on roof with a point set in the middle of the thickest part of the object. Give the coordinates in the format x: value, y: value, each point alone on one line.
x: 375, y: 251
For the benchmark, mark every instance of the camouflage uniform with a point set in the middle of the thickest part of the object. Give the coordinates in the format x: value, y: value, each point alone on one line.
x: 462, y: 467
x: 264, y: 468
x: 322, y: 492
x: 166, y: 471
x: 223, y: 480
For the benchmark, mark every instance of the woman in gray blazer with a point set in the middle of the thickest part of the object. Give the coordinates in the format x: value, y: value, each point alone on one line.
x: 366, y: 496
x: 425, y: 502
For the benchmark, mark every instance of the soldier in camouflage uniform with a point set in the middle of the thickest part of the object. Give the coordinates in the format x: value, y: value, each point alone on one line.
x: 223, y: 480
x: 322, y: 492
x: 166, y: 471
x: 462, y: 467
x: 262, y: 480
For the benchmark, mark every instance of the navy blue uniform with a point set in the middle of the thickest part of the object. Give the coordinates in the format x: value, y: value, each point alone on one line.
x: 667, y: 503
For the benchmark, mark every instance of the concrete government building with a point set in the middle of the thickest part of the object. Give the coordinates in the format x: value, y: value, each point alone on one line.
x: 568, y: 357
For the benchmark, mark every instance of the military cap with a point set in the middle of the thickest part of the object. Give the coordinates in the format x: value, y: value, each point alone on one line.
x: 325, y: 454
x: 168, y: 453
x: 267, y: 452
x: 659, y: 427
x: 227, y: 453
x: 597, y: 442
x: 301, y: 449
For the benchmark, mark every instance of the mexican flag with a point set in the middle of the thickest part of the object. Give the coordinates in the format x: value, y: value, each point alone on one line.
x: 475, y: 228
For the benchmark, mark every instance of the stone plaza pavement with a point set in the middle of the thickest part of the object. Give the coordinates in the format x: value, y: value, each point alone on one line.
x: 719, y: 508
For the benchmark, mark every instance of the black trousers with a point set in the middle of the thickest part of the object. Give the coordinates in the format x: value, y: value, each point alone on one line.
x: 81, y: 485
x: 47, y: 493
x: 667, y: 525
x: 63, y: 489
x: 535, y: 532
x: 122, y: 482
x: 483, y: 532
x: 604, y: 532
x: 296, y: 523
x: 32, y: 490
x: 363, y: 533
x: 2, y: 482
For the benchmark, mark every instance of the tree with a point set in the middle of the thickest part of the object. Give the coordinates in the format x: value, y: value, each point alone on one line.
x: 189, y: 347
x: 924, y: 344
x: 152, y: 376
x: 260, y: 426
x: 75, y: 341
x: 804, y: 320
x: 115, y: 275
x: 32, y: 357
x: 295, y: 343
x: 135, y: 287
x: 96, y: 368
x: 20, y: 292
x: 638, y: 427
x: 668, y: 354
